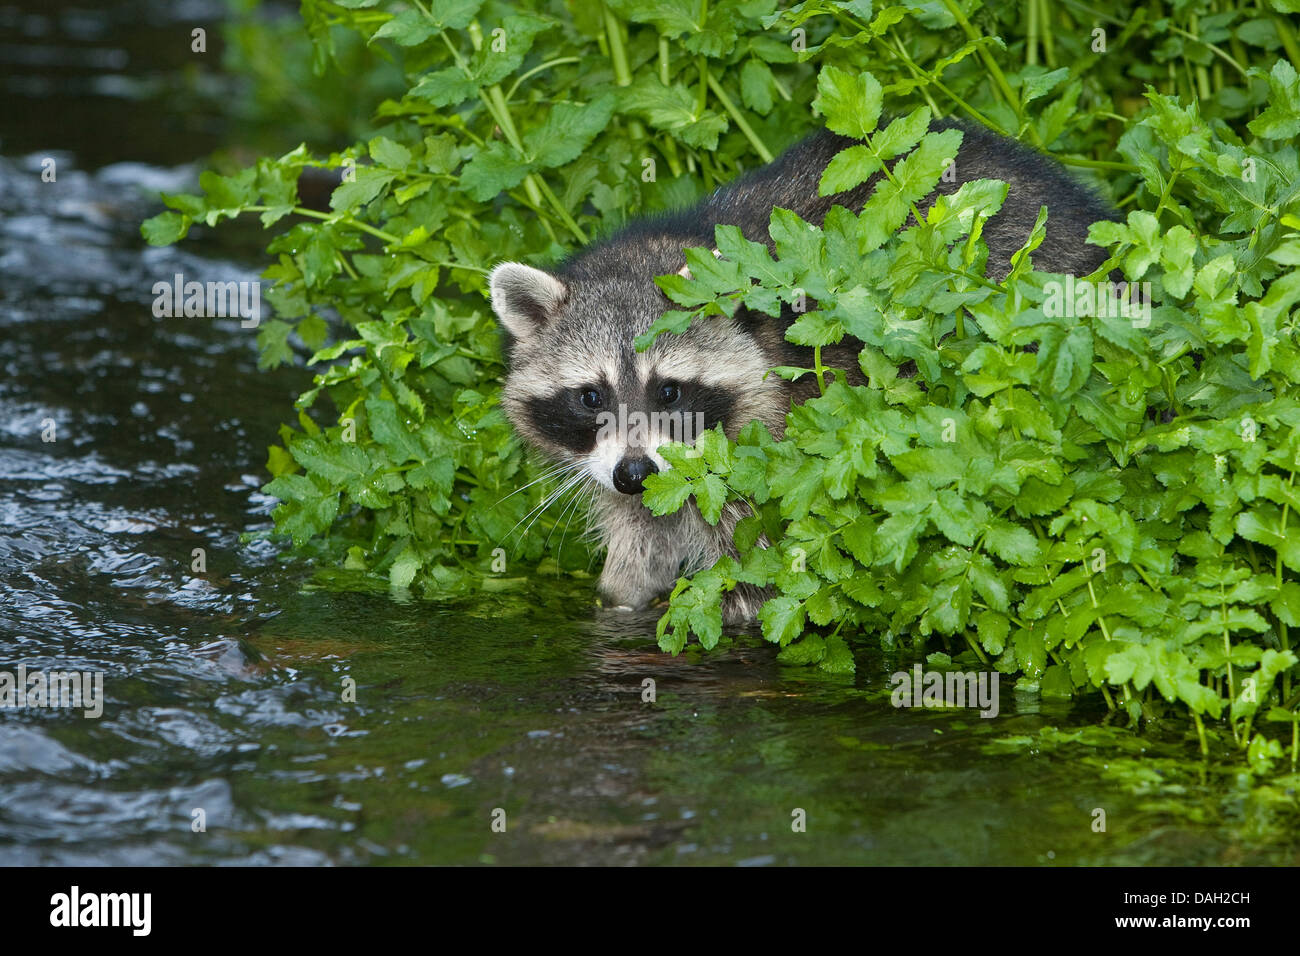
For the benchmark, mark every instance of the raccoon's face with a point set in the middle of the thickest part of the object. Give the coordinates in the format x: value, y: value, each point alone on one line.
x: 578, y: 390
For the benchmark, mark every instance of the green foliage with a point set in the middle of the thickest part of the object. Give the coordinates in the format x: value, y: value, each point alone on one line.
x: 1112, y: 510
x: 1109, y: 512
x: 289, y: 86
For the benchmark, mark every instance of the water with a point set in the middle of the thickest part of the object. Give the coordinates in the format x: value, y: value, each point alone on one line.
x: 225, y: 690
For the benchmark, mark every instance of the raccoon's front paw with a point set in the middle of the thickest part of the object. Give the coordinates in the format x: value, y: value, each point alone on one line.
x: 615, y: 607
x: 622, y: 595
x: 618, y: 602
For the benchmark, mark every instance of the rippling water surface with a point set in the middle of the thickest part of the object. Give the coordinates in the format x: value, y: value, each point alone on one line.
x: 224, y: 690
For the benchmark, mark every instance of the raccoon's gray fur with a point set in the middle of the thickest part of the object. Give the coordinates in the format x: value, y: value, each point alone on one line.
x: 569, y: 333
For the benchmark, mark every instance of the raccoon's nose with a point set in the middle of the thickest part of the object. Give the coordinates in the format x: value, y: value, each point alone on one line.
x: 630, y: 474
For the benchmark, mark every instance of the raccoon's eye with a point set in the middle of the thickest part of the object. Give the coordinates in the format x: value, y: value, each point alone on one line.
x: 590, y: 398
x: 669, y: 392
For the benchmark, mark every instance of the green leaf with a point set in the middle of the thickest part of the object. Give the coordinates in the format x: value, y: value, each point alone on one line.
x: 851, y: 104
x: 494, y: 168
x: 446, y: 87
x: 388, y: 153
x: 838, y: 658
x: 368, y: 184
x: 673, y: 109
x: 165, y: 228
x: 782, y: 619
x: 388, y: 428
x: 1281, y: 120
x: 408, y: 28
x: 1066, y: 358
x: 666, y: 491
x: 403, y: 570
x: 1011, y: 543
x: 848, y: 168
x: 568, y: 130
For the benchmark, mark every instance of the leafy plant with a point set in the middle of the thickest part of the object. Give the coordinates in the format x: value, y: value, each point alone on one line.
x: 1025, y: 504
x: 1108, y: 512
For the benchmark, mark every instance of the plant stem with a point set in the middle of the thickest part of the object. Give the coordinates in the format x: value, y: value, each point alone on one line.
x: 347, y: 266
x: 918, y: 73
x: 558, y: 61
x: 1096, y: 164
x: 1101, y: 618
x: 1288, y: 38
x: 702, y: 95
x: 1031, y: 32
x: 1045, y: 26
x: 1169, y: 186
x: 975, y: 647
x: 493, y: 99
x: 333, y: 217
x: 534, y: 185
x: 1202, y: 74
x: 543, y: 216
x: 667, y: 145
x: 565, y: 217
x: 617, y: 52
x: 759, y: 146
x: 1227, y: 655
x: 999, y: 78
x: 1283, y: 636
x: 702, y: 91
x: 1216, y: 50
x: 618, y: 59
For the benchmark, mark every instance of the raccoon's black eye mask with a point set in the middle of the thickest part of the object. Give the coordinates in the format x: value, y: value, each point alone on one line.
x: 563, y: 420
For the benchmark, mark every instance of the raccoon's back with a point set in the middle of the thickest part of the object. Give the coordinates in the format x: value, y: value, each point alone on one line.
x: 652, y: 246
x: 791, y: 182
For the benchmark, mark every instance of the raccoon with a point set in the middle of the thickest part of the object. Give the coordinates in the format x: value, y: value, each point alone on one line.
x: 573, y: 370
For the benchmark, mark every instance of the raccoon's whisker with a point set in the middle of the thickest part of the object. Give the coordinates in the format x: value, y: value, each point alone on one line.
x: 548, y: 476
x: 550, y: 473
x: 546, y: 501
x: 563, y: 511
x: 592, y: 529
x: 572, y: 510
x: 550, y: 499
x: 559, y: 492
x: 532, y: 513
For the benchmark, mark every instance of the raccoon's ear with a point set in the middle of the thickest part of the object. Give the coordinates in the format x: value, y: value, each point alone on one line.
x: 524, y: 298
